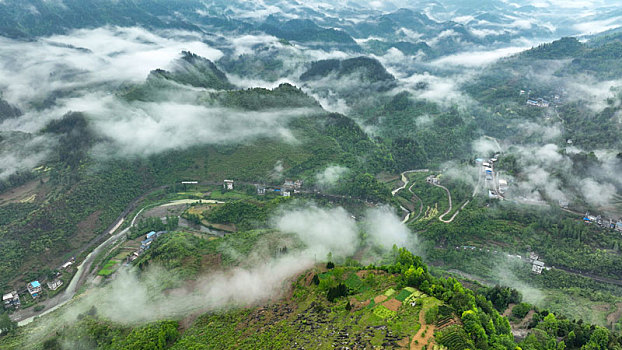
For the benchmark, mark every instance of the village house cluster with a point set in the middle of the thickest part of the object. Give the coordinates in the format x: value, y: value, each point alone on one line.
x: 497, y: 187
x: 539, y: 102
x: 150, y: 237
x: 604, y: 223
x: 12, y: 300
x: 542, y: 102
x: 288, y: 188
x: 537, y: 265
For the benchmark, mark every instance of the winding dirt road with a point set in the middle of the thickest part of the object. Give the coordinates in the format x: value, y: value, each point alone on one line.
x: 405, y: 182
x: 425, y: 335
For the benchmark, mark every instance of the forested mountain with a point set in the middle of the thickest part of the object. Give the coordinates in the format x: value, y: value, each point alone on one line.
x: 195, y: 71
x: 306, y: 31
x: 369, y: 69
x: 323, y: 174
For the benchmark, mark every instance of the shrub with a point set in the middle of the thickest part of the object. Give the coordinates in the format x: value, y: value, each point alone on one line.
x: 431, y: 315
x: 521, y: 310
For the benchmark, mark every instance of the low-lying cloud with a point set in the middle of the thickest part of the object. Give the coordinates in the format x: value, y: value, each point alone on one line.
x: 385, y: 229
x: 478, y: 58
x: 322, y: 230
x: 329, y: 177
x: 31, y: 70
x: 149, y: 128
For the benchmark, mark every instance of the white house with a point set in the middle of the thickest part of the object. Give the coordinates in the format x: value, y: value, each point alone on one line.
x: 11, y: 300
x: 537, y: 267
x: 228, y: 185
x: 55, y: 284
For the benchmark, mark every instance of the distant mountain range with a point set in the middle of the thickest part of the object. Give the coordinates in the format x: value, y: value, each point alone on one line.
x: 355, y: 27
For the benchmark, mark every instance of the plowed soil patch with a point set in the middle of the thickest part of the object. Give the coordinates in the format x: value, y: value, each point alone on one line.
x: 392, y: 304
x: 379, y: 299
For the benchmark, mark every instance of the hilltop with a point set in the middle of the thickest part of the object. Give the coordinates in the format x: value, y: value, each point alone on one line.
x: 401, y: 305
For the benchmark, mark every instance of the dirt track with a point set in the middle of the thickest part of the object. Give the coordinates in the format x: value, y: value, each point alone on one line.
x: 420, y: 340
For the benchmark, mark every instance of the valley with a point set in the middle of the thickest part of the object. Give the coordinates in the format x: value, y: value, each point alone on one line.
x: 310, y: 175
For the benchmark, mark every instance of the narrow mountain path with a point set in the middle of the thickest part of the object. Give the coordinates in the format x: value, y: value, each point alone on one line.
x: 450, y: 205
x: 405, y: 182
x: 425, y: 334
x: 410, y: 189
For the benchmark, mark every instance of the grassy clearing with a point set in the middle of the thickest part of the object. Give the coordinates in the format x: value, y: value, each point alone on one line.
x: 109, y: 268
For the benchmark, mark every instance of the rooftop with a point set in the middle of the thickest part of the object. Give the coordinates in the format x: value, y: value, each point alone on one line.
x: 35, y: 284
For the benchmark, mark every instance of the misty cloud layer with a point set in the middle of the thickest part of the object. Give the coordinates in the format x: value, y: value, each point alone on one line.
x: 150, y: 128
x: 88, y: 58
x: 329, y: 177
x: 83, y: 70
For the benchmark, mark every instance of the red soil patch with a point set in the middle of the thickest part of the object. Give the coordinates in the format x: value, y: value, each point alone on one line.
x: 379, y: 299
x: 392, y: 304
x: 357, y: 305
x: 420, y: 339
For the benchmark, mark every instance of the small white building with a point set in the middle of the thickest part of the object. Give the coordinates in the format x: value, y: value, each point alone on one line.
x: 537, y: 267
x: 55, y: 284
x: 11, y: 300
x: 432, y: 180
x: 228, y: 185
x: 286, y: 193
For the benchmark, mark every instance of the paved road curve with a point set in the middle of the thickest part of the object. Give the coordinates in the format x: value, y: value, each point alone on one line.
x: 25, y: 316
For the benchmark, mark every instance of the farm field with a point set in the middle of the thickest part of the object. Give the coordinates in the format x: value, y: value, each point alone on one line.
x: 377, y: 314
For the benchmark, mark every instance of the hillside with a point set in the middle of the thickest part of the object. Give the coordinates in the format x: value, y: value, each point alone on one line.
x: 196, y: 71
x: 306, y: 31
x: 76, y: 197
x: 370, y: 69
x: 397, y: 306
